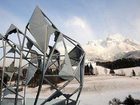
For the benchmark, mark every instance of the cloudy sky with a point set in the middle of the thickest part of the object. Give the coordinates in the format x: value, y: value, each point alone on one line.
x: 83, y: 20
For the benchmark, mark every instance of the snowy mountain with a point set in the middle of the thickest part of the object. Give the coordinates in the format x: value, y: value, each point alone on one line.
x: 132, y: 54
x: 112, y: 48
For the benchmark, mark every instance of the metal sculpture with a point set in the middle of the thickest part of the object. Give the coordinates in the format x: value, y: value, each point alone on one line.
x: 44, y: 49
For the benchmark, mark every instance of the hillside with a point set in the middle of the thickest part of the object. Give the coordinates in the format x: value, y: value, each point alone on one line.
x: 112, y: 48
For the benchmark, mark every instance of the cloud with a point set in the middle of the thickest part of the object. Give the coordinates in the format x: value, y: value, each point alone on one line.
x: 79, y: 29
x: 75, y: 27
x: 8, y: 18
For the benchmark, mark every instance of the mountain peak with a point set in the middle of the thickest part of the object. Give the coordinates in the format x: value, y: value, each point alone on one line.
x: 112, y: 48
x: 115, y: 37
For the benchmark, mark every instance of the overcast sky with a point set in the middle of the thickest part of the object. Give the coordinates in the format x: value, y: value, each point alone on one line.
x: 83, y: 20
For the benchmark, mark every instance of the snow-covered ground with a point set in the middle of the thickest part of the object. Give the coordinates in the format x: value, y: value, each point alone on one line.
x: 100, y: 90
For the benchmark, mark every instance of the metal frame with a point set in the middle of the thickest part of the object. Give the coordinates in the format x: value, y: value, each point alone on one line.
x: 47, y: 59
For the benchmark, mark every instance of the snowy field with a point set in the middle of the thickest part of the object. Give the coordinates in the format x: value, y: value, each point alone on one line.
x: 100, y: 90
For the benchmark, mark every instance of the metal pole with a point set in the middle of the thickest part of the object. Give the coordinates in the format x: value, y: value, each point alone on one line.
x: 81, y: 76
x: 45, y: 66
x: 24, y: 102
x: 25, y: 87
x: 19, y: 69
x: 42, y: 74
x: 4, y: 60
x: 14, y: 65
